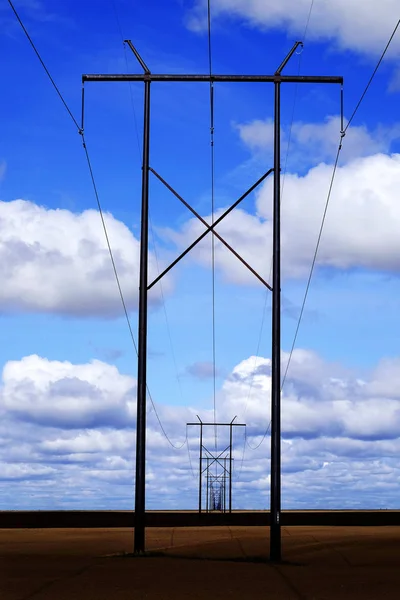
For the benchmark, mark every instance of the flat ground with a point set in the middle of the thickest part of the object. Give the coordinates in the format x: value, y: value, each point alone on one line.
x: 214, y: 563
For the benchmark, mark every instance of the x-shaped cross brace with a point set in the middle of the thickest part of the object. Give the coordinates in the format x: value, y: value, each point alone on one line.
x: 216, y: 459
x: 210, y: 228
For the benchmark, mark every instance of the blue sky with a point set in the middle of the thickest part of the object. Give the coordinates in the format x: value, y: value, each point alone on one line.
x: 59, y: 301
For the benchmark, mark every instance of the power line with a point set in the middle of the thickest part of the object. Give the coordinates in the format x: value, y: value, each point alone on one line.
x: 246, y: 444
x: 209, y: 36
x: 176, y: 447
x: 150, y: 220
x: 166, y: 314
x: 267, y: 293
x: 313, y: 262
x: 242, y: 459
x: 89, y: 167
x: 80, y: 130
x: 296, y: 87
x: 372, y: 76
x: 118, y: 21
x: 133, y: 106
x: 267, y: 296
x: 188, y: 450
x: 108, y: 242
x: 343, y: 132
x: 262, y: 439
x: 44, y: 66
x: 114, y: 3
x: 308, y: 22
x: 212, y: 213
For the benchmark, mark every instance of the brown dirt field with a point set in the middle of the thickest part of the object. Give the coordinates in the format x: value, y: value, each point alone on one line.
x: 209, y: 562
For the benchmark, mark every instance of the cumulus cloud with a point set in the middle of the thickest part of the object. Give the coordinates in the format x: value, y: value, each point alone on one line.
x: 18, y: 472
x: 65, y: 395
x: 58, y: 261
x: 67, y: 436
x: 341, y: 437
x: 319, y: 399
x: 361, y: 228
x: 329, y: 20
x: 339, y: 431
x: 312, y: 143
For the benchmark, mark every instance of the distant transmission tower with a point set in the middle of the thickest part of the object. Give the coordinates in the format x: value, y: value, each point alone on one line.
x: 215, y: 470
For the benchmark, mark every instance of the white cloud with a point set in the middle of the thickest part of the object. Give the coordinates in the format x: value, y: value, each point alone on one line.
x: 258, y: 134
x: 23, y: 472
x: 57, y: 261
x: 360, y: 25
x: 319, y: 399
x: 361, y: 228
x: 312, y: 143
x: 61, y: 394
x: 249, y: 236
x: 341, y: 437
x: 386, y: 379
x: 89, y: 442
x: 362, y: 222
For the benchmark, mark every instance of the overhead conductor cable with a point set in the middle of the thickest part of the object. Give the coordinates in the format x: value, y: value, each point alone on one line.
x: 212, y: 216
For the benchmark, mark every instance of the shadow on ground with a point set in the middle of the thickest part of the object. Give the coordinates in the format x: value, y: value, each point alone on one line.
x: 214, y: 563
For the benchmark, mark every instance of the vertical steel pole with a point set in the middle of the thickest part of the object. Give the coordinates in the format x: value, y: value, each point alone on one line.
x: 208, y: 491
x: 230, y: 467
x: 140, y: 482
x: 201, y: 464
x: 224, y: 480
x: 275, y: 527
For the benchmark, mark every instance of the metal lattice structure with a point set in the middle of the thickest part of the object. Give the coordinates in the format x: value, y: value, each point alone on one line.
x: 148, y: 78
x: 215, y: 470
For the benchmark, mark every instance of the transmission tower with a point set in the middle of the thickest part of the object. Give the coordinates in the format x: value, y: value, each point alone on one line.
x: 215, y: 469
x: 148, y: 78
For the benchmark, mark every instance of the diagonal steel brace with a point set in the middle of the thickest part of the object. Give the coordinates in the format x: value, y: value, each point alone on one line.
x: 210, y: 228
x: 215, y: 459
